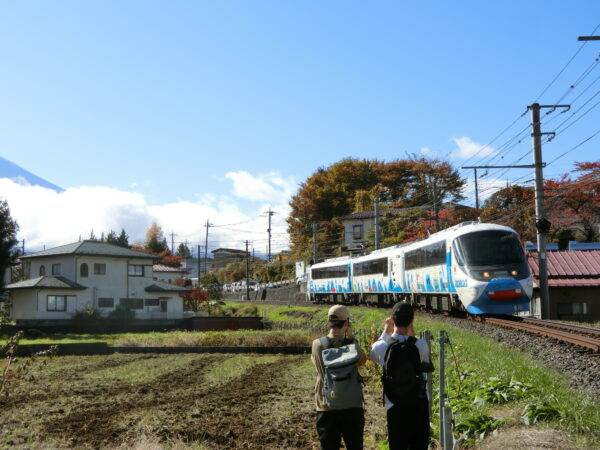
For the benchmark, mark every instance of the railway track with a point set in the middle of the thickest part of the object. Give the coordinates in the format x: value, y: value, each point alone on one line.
x: 586, y: 337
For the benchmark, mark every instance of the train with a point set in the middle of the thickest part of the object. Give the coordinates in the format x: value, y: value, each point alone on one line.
x: 470, y: 268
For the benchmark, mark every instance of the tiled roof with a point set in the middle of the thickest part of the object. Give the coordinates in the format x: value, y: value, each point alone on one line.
x: 46, y: 282
x: 569, y: 267
x: 91, y: 248
x: 159, y: 286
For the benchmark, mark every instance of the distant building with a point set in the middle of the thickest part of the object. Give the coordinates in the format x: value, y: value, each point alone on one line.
x: 191, y: 266
x: 224, y: 256
x: 573, y: 283
x: 90, y: 275
x: 168, y: 274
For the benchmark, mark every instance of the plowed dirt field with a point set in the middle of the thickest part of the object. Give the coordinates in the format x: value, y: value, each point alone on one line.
x: 204, y: 401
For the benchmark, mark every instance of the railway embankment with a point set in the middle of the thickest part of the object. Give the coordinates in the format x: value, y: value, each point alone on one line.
x: 581, y: 367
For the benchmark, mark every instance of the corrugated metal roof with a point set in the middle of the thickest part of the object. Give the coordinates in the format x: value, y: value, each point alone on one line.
x: 569, y: 267
x: 163, y: 268
x: 46, y: 282
x: 91, y: 248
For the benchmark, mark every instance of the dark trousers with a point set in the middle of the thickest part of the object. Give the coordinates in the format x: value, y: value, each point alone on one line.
x: 335, y: 424
x: 408, y: 426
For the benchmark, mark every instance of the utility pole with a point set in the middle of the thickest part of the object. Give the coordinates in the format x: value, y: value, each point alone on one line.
x: 436, y: 213
x: 476, y: 192
x: 23, y: 248
x: 208, y: 225
x: 542, y: 224
x: 247, y: 273
x: 270, y: 214
x: 315, y: 227
x: 172, y: 243
x: 199, y: 250
x: 376, y: 207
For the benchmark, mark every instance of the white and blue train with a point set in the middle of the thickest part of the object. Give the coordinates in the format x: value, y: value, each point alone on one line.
x: 473, y: 267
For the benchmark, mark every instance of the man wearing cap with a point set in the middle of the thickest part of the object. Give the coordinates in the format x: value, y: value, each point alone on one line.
x: 408, y: 424
x: 333, y: 424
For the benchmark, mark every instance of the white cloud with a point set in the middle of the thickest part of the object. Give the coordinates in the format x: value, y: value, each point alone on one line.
x: 48, y: 218
x: 486, y: 187
x: 467, y: 148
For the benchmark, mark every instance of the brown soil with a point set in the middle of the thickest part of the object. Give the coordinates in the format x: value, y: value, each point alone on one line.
x: 184, y: 409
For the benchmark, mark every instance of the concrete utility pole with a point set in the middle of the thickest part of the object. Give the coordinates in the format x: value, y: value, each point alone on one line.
x: 270, y: 214
x: 476, y: 191
x: 199, y: 250
x: 542, y: 224
x: 436, y: 209
x: 208, y: 225
x: 376, y: 208
x: 172, y: 243
x: 247, y: 273
x: 315, y: 228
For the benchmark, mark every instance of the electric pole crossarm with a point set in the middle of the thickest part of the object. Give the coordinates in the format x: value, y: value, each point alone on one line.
x: 526, y: 166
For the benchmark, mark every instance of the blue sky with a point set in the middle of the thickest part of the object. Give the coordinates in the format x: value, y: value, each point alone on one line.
x: 206, y: 102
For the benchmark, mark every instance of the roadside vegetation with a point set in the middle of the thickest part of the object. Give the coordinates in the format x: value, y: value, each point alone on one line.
x: 493, y: 391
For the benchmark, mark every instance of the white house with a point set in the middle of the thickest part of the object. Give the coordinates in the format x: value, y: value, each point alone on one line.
x: 91, y: 275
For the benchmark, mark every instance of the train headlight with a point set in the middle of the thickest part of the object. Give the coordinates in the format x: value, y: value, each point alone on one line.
x: 514, y: 273
x: 486, y: 274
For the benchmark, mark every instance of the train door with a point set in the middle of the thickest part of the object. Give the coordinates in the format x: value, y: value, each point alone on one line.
x: 397, y: 262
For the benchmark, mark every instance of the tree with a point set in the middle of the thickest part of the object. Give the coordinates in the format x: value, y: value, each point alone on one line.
x: 211, y: 283
x: 351, y: 185
x: 184, y: 251
x: 8, y: 239
x: 111, y: 238
x: 155, y: 240
x: 123, y: 239
x: 512, y: 206
x: 192, y: 301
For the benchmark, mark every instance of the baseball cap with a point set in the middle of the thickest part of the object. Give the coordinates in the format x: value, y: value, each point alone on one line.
x: 338, y: 312
x: 403, y: 309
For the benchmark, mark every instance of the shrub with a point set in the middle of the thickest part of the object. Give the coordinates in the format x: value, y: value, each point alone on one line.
x: 87, y: 320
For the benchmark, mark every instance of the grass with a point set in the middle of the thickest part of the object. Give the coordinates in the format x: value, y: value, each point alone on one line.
x: 231, y: 368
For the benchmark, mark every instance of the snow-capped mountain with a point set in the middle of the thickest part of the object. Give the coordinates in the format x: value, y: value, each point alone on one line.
x: 19, y: 175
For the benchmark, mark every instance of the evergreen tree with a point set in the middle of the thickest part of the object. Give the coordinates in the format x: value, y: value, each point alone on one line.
x: 8, y: 239
x: 123, y: 239
x: 111, y: 238
x: 155, y: 240
x: 184, y: 251
x: 93, y: 236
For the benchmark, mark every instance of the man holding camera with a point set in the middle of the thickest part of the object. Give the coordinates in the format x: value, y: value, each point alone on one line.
x: 338, y: 389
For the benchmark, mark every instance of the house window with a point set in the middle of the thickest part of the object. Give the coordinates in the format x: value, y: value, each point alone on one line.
x: 135, y: 270
x: 56, y: 269
x: 132, y: 303
x: 56, y: 303
x: 83, y: 270
x: 106, y: 303
x: 99, y: 269
x: 151, y: 302
x: 357, y: 232
x: 42, y: 271
x: 572, y: 309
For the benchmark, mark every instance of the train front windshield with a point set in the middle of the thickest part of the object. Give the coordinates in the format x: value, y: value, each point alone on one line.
x: 489, y: 248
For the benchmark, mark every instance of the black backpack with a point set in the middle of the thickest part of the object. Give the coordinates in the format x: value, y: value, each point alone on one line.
x: 402, y: 380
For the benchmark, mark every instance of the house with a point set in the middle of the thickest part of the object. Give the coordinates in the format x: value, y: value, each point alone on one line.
x: 191, y: 266
x: 167, y: 274
x: 90, y: 275
x: 573, y: 284
x: 224, y: 256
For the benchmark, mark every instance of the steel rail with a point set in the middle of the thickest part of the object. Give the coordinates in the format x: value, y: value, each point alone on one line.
x: 582, y: 341
x: 579, y: 329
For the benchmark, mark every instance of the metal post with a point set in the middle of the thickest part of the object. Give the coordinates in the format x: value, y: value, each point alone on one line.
x: 247, y: 273
x: 442, y: 391
x: 376, y: 208
x: 539, y: 210
x: 426, y: 336
x: 448, y: 434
